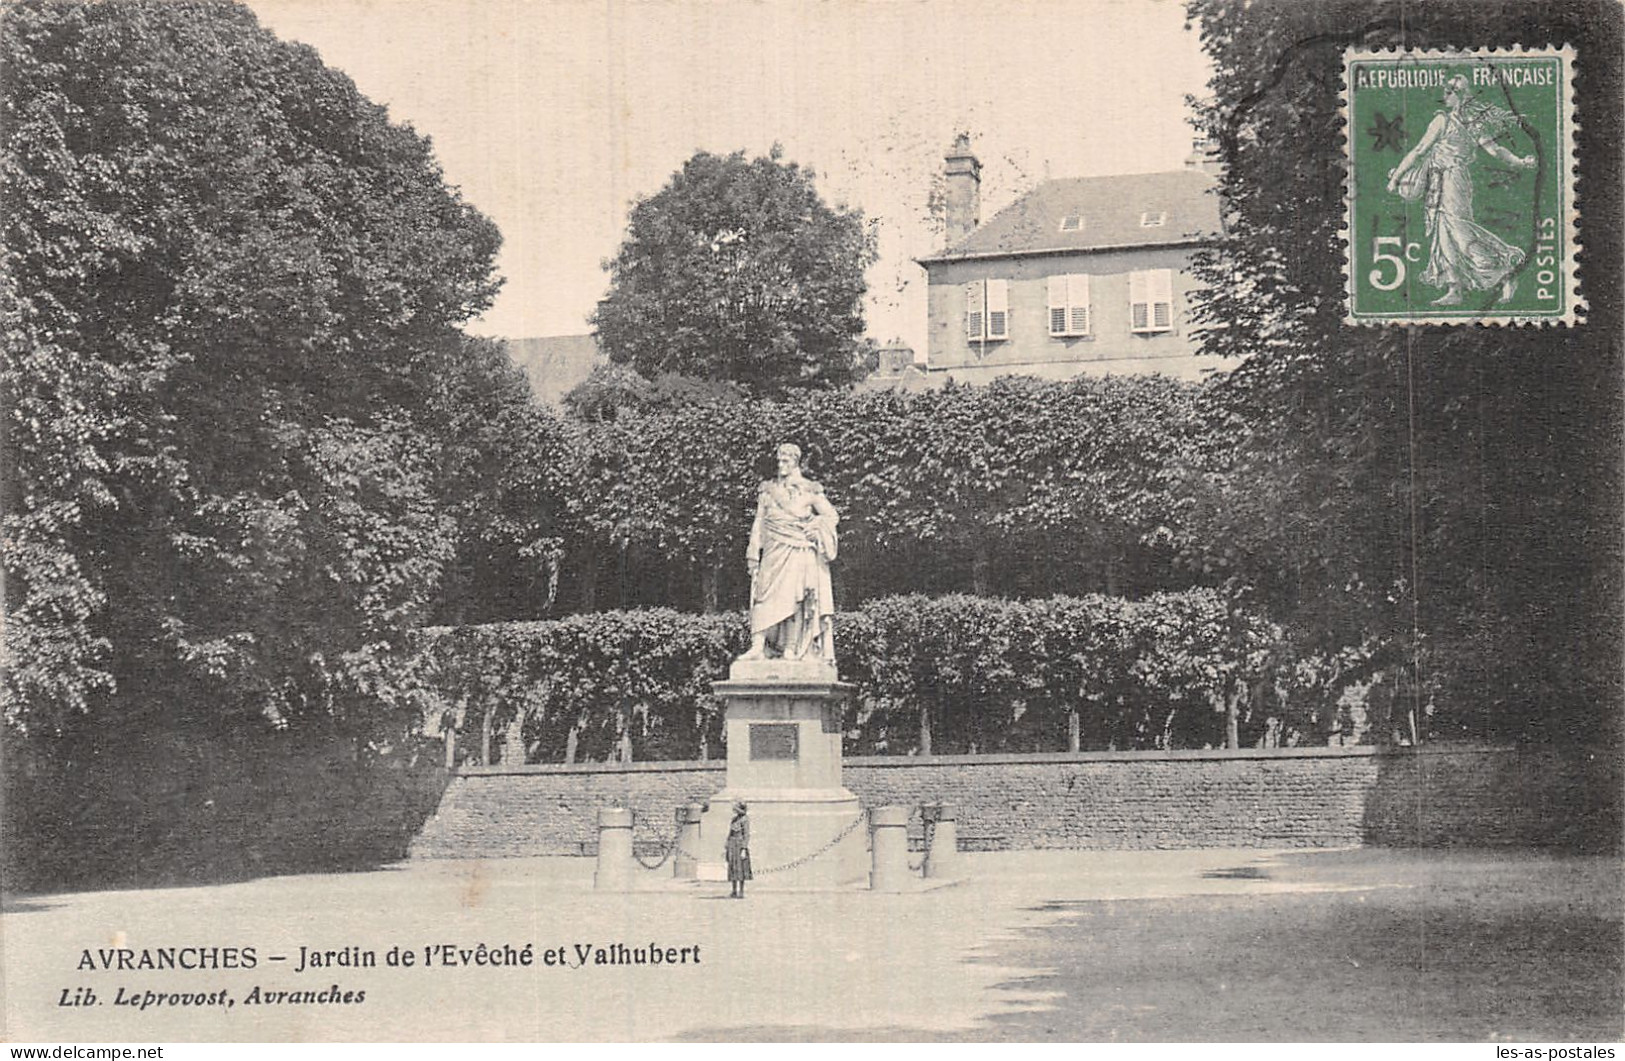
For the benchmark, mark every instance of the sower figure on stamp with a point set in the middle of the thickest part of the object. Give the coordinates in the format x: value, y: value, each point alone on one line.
x: 792, y: 542
x: 1461, y: 252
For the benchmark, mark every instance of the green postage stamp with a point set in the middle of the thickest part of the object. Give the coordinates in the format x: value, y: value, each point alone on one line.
x: 1461, y: 186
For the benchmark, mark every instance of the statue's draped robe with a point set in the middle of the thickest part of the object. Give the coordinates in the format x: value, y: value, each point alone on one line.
x: 1461, y: 252
x: 791, y: 599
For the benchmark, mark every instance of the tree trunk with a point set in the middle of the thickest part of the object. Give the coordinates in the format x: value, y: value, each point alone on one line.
x: 1074, y: 731
x: 710, y: 577
x: 572, y: 743
x: 1099, y: 737
x: 925, y: 729
x: 450, y: 737
x: 513, y: 744
x: 485, y: 736
x: 589, y: 578
x: 457, y: 614
x: 981, y: 579
x: 1232, y: 721
x: 623, y: 734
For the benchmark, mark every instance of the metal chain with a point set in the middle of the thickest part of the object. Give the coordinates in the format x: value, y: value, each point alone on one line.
x: 670, y: 846
x: 667, y: 847
x: 804, y: 859
x: 930, y: 831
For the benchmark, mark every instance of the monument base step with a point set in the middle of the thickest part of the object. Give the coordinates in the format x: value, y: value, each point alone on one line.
x: 798, y: 838
x: 714, y: 885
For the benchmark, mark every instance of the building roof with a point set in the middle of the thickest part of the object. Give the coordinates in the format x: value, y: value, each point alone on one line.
x: 556, y: 364
x: 1111, y: 213
x: 909, y: 378
x: 896, y: 369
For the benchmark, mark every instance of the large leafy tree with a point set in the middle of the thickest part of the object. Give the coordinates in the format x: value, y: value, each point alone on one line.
x: 1445, y: 500
x: 231, y: 288
x: 738, y: 270
x: 497, y: 454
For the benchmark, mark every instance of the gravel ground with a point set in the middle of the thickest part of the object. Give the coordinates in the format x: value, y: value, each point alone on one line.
x: 1208, y: 945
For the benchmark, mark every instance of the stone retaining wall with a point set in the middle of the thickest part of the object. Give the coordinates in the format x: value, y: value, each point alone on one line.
x: 1319, y: 797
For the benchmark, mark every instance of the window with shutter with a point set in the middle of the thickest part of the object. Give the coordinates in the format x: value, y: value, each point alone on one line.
x: 987, y: 311
x: 1077, y: 297
x: 1139, y: 309
x: 975, y: 318
x: 1069, y: 304
x: 998, y: 309
x: 1151, y: 300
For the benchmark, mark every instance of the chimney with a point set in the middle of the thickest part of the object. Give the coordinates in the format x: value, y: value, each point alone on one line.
x: 896, y: 357
x: 1204, y: 156
x: 964, y: 199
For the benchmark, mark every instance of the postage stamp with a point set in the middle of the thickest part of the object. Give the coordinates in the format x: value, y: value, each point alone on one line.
x: 1460, y: 187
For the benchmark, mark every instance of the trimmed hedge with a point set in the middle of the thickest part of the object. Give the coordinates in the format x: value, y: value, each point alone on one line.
x: 934, y: 675
x: 1029, y: 486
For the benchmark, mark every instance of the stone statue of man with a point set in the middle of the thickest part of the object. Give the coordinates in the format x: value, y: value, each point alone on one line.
x: 792, y: 542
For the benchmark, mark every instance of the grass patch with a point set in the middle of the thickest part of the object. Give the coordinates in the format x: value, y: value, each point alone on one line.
x: 1428, y: 946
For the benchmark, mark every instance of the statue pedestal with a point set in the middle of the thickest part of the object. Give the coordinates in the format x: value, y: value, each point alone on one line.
x: 784, y: 763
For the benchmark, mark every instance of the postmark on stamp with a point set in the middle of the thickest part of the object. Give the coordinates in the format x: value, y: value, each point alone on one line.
x: 1460, y: 187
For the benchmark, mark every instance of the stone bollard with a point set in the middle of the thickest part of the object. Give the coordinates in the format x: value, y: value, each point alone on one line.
x: 890, y: 872
x: 614, y: 850
x: 942, y: 844
x: 684, y: 864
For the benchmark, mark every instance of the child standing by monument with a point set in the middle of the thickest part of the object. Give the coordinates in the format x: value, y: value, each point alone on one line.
x: 737, y: 851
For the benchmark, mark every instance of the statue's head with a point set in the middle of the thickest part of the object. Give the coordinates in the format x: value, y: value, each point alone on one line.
x: 789, y: 458
x: 1457, y: 90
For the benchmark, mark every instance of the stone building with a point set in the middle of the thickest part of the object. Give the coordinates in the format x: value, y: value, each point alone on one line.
x: 896, y: 370
x: 1086, y: 275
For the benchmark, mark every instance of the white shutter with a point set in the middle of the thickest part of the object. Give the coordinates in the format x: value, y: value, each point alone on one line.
x: 1058, y: 303
x: 1161, y: 290
x: 975, y: 316
x: 1077, y: 300
x: 1139, y: 301
x: 998, y: 309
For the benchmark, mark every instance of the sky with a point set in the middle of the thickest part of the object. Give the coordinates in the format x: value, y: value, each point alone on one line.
x: 554, y: 118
